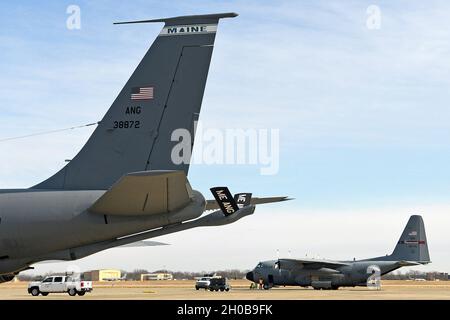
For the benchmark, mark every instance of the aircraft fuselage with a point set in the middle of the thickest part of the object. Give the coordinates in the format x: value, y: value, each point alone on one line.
x: 355, y: 274
x: 39, y: 225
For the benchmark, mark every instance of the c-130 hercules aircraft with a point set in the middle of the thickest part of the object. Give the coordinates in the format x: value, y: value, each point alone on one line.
x: 123, y: 186
x: 411, y: 250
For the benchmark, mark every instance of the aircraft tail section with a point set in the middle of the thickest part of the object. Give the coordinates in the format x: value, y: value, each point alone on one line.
x: 412, y: 245
x: 163, y: 94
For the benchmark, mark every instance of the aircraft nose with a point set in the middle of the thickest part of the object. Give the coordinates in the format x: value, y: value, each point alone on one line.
x: 249, y: 276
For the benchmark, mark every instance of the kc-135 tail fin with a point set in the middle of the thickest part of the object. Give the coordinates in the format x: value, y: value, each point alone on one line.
x: 163, y: 94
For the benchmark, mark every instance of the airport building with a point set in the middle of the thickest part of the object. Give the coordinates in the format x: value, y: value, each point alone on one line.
x: 436, y: 276
x: 156, y: 276
x: 103, y: 275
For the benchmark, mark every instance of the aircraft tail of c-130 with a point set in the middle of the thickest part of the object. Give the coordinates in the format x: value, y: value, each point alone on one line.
x: 163, y: 94
x: 412, y: 245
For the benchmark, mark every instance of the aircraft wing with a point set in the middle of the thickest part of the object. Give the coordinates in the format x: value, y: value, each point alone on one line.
x: 145, y: 193
x: 143, y: 244
x: 213, y: 205
x: 309, y: 264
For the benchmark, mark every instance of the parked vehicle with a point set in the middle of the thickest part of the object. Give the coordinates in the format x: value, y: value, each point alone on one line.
x: 216, y: 284
x: 202, y: 283
x: 59, y: 284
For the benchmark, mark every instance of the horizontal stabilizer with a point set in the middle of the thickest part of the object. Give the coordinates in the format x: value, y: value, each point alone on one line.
x: 408, y: 263
x: 145, y: 193
x: 213, y: 205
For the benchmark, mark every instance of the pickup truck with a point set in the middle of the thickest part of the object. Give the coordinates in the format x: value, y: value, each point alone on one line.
x: 59, y: 284
x: 202, y: 283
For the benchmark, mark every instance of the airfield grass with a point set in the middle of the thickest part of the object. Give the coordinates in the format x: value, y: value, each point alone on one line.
x: 184, y: 290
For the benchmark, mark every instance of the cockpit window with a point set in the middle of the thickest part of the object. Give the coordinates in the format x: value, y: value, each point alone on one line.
x: 260, y: 265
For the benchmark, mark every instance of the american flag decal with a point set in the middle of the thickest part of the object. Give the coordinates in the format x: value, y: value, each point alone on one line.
x: 142, y: 93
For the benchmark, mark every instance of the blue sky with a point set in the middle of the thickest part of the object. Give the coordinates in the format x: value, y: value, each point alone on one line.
x: 363, y: 114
